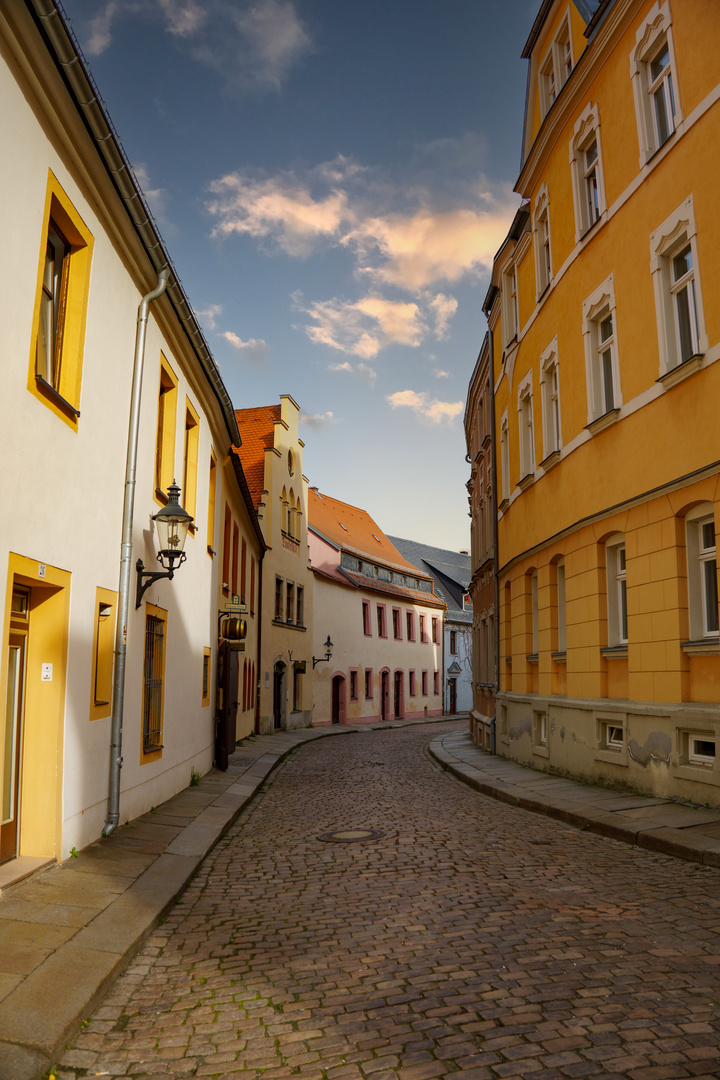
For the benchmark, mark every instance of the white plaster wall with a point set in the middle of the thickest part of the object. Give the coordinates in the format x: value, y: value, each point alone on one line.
x: 463, y: 642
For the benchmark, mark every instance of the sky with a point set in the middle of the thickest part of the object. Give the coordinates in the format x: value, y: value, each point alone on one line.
x: 332, y: 179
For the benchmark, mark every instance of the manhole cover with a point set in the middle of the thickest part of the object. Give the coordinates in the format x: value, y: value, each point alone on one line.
x: 347, y: 836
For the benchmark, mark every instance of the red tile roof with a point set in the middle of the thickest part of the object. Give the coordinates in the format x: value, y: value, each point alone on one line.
x: 257, y: 431
x: 354, y: 530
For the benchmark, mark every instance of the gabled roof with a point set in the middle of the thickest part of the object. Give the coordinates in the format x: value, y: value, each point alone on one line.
x: 450, y: 570
x: 257, y: 431
x: 353, y: 530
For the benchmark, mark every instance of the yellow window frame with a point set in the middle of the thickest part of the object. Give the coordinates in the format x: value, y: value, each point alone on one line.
x: 64, y: 400
x: 102, y: 653
x: 188, y: 496
x: 165, y: 436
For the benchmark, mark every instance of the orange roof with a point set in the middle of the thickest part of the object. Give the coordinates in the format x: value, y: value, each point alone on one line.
x: 257, y: 431
x: 354, y: 530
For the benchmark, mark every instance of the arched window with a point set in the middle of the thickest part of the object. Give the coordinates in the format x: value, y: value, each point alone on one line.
x: 291, y: 513
x: 284, y: 522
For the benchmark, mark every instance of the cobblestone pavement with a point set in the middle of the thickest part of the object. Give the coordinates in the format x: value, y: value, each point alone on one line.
x: 472, y: 940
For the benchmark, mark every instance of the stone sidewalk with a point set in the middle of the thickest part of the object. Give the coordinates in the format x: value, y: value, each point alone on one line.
x: 67, y: 932
x: 685, y: 831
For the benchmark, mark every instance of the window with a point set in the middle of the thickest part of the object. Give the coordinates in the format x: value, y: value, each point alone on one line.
x: 561, y: 614
x: 367, y: 629
x: 652, y: 67
x: 278, y: 598
x: 423, y: 631
x: 290, y: 604
x: 434, y: 630
x: 397, y: 624
x: 556, y: 67
x: 601, y: 356
x: 103, y: 647
x: 165, y: 436
x: 292, y: 515
x: 436, y: 682
x: 510, y: 313
x: 235, y: 552
x: 252, y: 584
x: 297, y: 689
x: 227, y: 527
x: 550, y: 397
x: 505, y: 458
x: 540, y: 728
x: 616, y: 591
x: 243, y: 569
x: 541, y: 230
x: 63, y: 282
x: 701, y: 748
x: 153, y: 679
x: 300, y: 593
x: 410, y: 619
x: 411, y: 677
x: 424, y: 683
x: 534, y: 615
x: 190, y: 460
x: 212, y: 484
x: 453, y: 642
x: 368, y: 683
x: 381, y: 624
x: 353, y: 684
x: 678, y: 300
x: 702, y: 573
x: 207, y: 656
x: 525, y: 428
x: 586, y: 171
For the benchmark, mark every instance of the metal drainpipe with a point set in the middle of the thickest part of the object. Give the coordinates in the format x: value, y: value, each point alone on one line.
x: 126, y: 558
x: 496, y: 582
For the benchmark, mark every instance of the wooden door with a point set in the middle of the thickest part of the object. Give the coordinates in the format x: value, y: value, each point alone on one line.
x: 228, y: 673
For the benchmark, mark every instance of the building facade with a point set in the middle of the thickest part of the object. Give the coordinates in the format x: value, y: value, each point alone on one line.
x: 483, y: 515
x: 451, y: 574
x: 272, y: 458
x: 605, y: 339
x: 84, y: 263
x: 382, y: 617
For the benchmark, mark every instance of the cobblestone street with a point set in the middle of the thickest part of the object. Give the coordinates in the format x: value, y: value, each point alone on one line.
x: 473, y: 940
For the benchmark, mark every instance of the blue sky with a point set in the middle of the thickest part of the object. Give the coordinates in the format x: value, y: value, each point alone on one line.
x: 332, y: 179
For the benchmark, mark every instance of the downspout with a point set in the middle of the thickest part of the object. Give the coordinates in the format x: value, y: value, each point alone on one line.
x: 496, y: 581
x: 126, y: 558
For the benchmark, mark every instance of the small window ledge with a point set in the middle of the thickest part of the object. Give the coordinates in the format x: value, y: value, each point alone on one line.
x: 559, y: 657
x: 541, y: 751
x: 486, y: 440
x: 508, y: 659
x: 292, y: 539
x: 50, y: 392
x: 526, y: 481
x: 615, y: 652
x: 552, y: 459
x: 602, y: 422
x: 682, y: 371
x: 288, y: 625
x: 503, y: 506
x: 705, y: 647
x: 532, y: 658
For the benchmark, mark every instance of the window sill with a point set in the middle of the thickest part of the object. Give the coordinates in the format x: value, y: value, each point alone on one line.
x: 590, y: 229
x: 612, y: 757
x: 526, y: 481
x: 211, y: 550
x: 287, y: 536
x: 541, y: 751
x: 615, y: 652
x: 288, y: 625
x: 559, y: 657
x: 552, y: 459
x: 681, y: 371
x: 486, y: 440
x: 701, y: 774
x: 532, y: 658
x: 602, y: 422
x: 161, y: 496
x: 504, y: 505
x: 508, y: 659
x: 50, y: 392
x: 704, y: 647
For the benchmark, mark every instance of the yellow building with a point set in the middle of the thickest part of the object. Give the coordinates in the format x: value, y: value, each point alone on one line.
x: 604, y: 315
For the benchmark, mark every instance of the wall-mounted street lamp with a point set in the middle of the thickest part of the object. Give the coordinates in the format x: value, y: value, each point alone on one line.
x: 172, y: 523
x: 328, y: 653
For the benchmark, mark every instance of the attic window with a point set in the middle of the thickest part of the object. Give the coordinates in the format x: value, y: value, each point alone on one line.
x: 342, y: 526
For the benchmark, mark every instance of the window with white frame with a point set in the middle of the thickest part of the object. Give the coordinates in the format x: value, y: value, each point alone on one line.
x: 556, y: 66
x: 586, y: 171
x: 616, y: 580
x: 525, y: 427
x: 510, y: 312
x: 601, y: 353
x: 678, y: 298
x: 550, y: 399
x: 654, y: 80
x: 541, y: 230
x: 505, y: 457
x: 702, y: 573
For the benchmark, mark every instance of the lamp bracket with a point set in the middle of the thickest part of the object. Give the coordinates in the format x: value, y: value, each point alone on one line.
x: 145, y: 578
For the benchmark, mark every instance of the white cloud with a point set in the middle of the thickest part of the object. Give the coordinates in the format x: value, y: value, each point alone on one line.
x: 427, y: 408
x: 254, y: 350
x: 362, y: 371
x: 252, y: 45
x: 209, y: 316
x: 363, y: 327
x: 440, y: 374
x: 317, y: 421
x: 443, y: 308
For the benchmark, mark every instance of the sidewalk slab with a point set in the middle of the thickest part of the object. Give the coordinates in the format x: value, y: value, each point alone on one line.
x: 678, y: 829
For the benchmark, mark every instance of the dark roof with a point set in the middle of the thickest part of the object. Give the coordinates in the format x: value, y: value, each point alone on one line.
x: 451, y: 571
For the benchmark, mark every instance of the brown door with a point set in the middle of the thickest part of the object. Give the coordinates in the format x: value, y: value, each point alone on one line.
x: 338, y: 699
x: 278, y: 694
x: 228, y: 672
x: 453, y: 696
x: 12, y: 739
x: 384, y: 694
x: 398, y: 693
